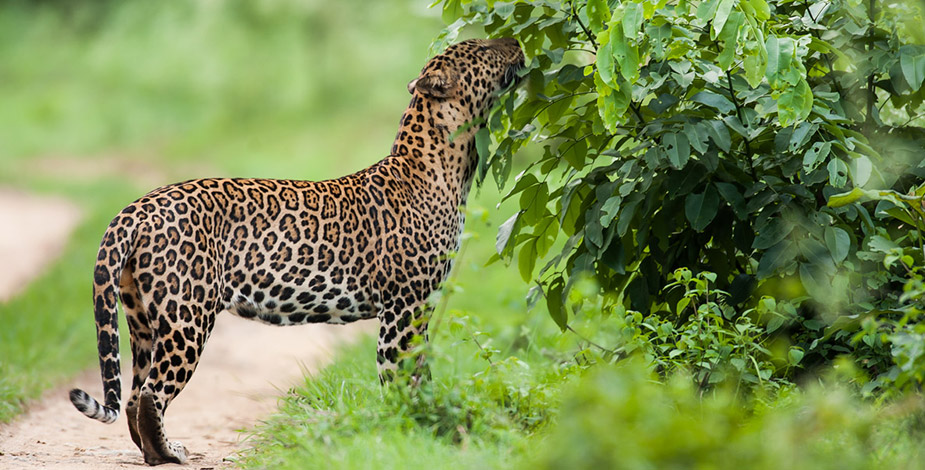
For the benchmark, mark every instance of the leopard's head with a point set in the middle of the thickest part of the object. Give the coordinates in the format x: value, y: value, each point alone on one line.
x: 462, y: 82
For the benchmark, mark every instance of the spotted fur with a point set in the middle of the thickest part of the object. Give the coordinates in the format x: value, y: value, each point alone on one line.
x: 373, y: 244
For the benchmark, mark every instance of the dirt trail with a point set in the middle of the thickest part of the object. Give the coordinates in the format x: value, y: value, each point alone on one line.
x: 33, y: 230
x: 244, y: 369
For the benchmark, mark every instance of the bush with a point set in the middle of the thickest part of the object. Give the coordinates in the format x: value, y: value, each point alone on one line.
x: 708, y: 338
x: 711, y: 136
x: 897, y: 325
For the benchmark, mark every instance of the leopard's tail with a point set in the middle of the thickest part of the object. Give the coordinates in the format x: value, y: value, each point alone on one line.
x: 116, y: 247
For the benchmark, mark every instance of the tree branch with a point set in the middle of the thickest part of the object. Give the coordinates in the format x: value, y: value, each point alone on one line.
x: 583, y: 27
x: 735, y: 101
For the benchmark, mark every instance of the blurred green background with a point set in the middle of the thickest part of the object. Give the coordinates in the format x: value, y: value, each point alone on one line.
x: 256, y: 88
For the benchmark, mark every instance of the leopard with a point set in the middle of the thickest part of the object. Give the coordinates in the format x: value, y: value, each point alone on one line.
x: 375, y: 244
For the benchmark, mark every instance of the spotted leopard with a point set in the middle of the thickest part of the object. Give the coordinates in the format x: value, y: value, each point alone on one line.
x: 373, y: 244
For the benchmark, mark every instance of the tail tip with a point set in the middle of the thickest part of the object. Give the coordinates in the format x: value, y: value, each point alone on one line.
x: 80, y: 399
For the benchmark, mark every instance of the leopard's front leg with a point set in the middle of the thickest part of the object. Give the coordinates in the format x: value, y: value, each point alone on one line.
x: 395, y: 352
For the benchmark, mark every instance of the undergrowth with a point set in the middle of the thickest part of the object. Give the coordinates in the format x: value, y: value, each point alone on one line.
x: 343, y: 419
x: 555, y: 411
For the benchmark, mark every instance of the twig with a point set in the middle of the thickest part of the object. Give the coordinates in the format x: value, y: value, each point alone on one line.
x: 748, y: 148
x: 592, y: 343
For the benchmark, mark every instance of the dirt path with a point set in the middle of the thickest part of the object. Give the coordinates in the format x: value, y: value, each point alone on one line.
x: 55, y: 217
x: 244, y: 369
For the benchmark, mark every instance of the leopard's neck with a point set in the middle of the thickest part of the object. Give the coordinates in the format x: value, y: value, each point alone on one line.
x: 424, y: 141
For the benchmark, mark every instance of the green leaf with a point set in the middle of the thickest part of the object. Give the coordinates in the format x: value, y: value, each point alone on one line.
x: 912, y: 61
x: 775, y: 258
x: 754, y: 66
x: 482, y: 139
x: 604, y: 62
x: 732, y: 122
x: 504, y: 9
x: 627, y: 213
x: 526, y: 260
x: 900, y: 214
x: 735, y: 200
x: 843, y: 199
x: 452, y: 9
x: 774, y: 323
x: 683, y: 182
x: 729, y: 37
x: 881, y: 244
x: 794, y: 104
x: 632, y: 19
x: 771, y: 234
x: 707, y: 10
x: 714, y: 100
x: 817, y: 284
x: 610, y: 209
x: 611, y: 104
x: 700, y: 209
x: 719, y: 19
x: 719, y: 133
x: 838, y: 242
x: 662, y: 102
x: 614, y: 257
x: 782, y: 70
x: 817, y: 254
x: 696, y: 136
x: 815, y: 155
x: 505, y: 231
x: 741, y: 288
x: 838, y: 173
x: 598, y: 15
x: 523, y: 181
x: 678, y: 149
x: 801, y: 134
x: 638, y: 294
x: 860, y: 169
x: 554, y: 303
x: 575, y: 153
x: 625, y: 54
x: 762, y: 11
x: 772, y: 45
x: 533, y: 201
x: 794, y: 356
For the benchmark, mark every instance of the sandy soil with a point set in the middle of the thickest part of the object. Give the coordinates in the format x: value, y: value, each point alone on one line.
x: 245, y: 367
x: 52, y: 220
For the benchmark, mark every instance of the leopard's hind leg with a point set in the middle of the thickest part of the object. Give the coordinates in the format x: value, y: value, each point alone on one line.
x: 141, y: 341
x: 180, y: 333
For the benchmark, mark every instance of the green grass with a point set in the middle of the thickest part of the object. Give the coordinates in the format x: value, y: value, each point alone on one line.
x: 549, y: 415
x: 344, y: 419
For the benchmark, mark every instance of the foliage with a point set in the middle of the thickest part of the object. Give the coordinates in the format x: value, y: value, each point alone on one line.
x: 607, y: 416
x: 709, y: 135
x: 622, y: 418
x: 711, y: 340
x: 900, y: 247
x: 343, y: 419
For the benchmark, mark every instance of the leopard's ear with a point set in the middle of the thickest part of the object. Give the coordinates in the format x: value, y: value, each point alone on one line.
x: 434, y: 83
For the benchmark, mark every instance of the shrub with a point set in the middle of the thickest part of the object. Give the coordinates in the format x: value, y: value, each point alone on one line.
x: 710, y: 135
